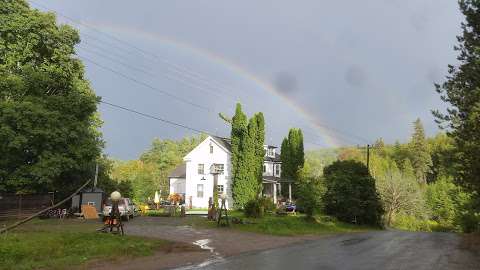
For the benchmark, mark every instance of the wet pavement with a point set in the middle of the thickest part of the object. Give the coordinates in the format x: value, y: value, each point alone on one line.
x: 372, y: 250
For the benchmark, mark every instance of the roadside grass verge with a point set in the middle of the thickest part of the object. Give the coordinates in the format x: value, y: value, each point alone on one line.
x: 55, y: 244
x: 286, y: 225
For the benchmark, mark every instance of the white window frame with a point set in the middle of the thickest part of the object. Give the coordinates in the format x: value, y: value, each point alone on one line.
x: 220, y: 189
x: 200, y: 192
x: 202, y: 171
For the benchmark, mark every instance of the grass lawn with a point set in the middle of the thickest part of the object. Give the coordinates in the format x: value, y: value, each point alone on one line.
x: 286, y: 225
x: 63, y: 244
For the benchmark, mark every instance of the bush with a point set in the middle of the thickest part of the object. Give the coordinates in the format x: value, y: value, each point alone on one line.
x: 310, y: 191
x: 351, y: 195
x: 257, y: 208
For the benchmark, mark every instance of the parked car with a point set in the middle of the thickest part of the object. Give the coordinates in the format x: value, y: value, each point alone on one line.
x: 125, y: 206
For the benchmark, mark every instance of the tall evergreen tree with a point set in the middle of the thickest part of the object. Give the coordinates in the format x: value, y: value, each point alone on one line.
x: 462, y: 93
x: 238, y: 137
x: 292, y: 155
x: 421, y: 159
x: 259, y: 151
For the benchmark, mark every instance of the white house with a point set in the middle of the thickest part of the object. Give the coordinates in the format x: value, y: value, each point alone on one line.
x: 194, y: 181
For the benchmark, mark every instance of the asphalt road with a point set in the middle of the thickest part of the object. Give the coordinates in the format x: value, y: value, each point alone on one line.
x: 372, y: 250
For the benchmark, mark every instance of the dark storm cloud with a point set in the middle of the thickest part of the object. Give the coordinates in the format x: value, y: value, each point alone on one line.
x: 356, y: 76
x: 365, y: 67
x: 285, y: 82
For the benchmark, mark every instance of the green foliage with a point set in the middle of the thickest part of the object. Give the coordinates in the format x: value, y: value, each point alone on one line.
x: 49, y: 248
x: 420, y: 156
x: 399, y: 191
x: 317, y: 160
x: 310, y: 190
x: 48, y: 123
x: 292, y: 156
x: 412, y: 223
x: 247, y: 156
x: 254, y: 209
x: 150, y: 172
x: 461, y: 92
x: 257, y: 208
x: 351, y: 195
x: 295, y: 225
x: 259, y: 150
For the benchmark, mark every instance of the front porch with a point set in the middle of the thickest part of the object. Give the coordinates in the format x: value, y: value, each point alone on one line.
x: 272, y: 187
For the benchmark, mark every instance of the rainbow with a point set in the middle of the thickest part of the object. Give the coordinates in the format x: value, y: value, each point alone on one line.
x: 314, y: 121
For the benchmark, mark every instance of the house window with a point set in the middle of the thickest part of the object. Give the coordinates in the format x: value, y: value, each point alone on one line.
x: 211, y: 149
x: 271, y: 152
x: 200, y: 190
x: 220, y: 168
x: 220, y: 189
x: 264, y: 168
x: 201, y: 169
x: 277, y: 169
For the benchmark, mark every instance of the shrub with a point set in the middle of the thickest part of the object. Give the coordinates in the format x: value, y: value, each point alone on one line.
x: 257, y: 208
x: 310, y: 190
x: 351, y: 195
x: 252, y: 209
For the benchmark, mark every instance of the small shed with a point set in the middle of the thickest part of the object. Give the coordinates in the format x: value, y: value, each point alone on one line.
x: 89, y: 196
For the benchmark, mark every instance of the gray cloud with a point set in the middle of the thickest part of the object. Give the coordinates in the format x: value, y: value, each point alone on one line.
x: 285, y: 82
x: 356, y: 76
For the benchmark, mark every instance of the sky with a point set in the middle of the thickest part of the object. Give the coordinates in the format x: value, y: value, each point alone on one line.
x: 345, y: 72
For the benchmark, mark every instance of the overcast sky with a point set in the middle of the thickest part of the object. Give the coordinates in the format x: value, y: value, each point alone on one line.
x: 346, y: 72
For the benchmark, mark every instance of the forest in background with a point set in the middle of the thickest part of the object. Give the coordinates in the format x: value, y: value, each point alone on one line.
x: 415, y: 181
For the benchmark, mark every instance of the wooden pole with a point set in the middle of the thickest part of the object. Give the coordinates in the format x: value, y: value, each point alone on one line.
x: 44, y: 210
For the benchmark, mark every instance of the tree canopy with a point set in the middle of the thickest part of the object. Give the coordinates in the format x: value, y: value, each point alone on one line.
x: 247, y: 137
x: 461, y: 91
x: 351, y: 195
x: 49, y: 135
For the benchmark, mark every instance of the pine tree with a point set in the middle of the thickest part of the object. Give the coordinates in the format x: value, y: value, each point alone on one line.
x: 421, y: 159
x: 462, y: 93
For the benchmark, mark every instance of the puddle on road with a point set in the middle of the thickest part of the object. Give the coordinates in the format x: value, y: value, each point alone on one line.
x: 214, y: 258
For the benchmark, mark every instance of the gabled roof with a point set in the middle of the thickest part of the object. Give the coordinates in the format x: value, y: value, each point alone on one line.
x: 224, y: 142
x: 273, y: 159
x: 179, y: 172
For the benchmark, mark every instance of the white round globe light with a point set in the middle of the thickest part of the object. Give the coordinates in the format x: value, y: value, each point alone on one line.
x: 115, y: 196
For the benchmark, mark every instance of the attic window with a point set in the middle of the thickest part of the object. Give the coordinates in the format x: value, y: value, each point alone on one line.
x: 211, y: 149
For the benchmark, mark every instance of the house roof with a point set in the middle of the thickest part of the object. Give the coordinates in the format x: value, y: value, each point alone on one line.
x: 92, y: 190
x: 225, y: 142
x: 179, y: 172
x: 273, y: 159
x: 274, y: 179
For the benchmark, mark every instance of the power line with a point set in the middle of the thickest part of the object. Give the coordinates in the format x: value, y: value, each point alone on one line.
x: 167, y: 121
x: 143, y: 52
x: 155, y: 117
x: 146, y: 84
x: 176, y: 68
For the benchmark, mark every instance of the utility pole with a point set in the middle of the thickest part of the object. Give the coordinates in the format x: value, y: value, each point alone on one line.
x: 96, y: 176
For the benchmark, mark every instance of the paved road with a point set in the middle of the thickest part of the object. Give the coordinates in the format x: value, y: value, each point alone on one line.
x: 373, y: 250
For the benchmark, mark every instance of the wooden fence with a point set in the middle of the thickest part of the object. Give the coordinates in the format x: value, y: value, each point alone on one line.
x: 20, y: 206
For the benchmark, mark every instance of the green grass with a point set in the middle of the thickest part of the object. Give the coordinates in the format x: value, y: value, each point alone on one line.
x: 62, y: 244
x: 286, y: 225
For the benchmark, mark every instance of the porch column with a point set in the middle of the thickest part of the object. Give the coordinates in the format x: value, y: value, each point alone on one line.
x: 290, y: 191
x: 274, y: 193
